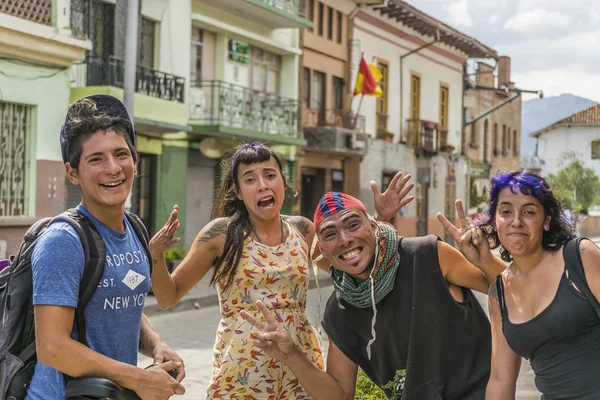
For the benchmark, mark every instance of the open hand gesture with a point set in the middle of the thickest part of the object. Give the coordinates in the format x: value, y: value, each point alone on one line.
x: 470, y: 240
x: 394, y: 198
x: 165, y: 238
x: 271, y: 336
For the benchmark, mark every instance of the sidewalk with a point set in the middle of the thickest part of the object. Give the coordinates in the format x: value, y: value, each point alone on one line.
x: 203, y: 295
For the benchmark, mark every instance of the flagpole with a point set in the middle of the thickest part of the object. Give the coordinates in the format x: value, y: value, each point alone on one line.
x: 357, y: 111
x: 362, y: 55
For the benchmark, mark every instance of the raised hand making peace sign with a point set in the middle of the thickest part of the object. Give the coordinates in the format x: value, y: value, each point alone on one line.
x: 470, y: 239
x: 272, y: 336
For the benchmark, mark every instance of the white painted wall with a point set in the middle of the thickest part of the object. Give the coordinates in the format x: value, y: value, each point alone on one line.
x: 226, y: 26
x: 174, y: 37
x: 575, y: 138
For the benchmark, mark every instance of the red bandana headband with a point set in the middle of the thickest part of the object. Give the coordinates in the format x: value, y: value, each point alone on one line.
x: 334, y: 202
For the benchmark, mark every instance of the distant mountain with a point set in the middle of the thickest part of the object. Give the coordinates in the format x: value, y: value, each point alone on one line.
x: 539, y: 113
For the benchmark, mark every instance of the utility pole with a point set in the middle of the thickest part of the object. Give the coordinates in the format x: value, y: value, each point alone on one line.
x: 131, y: 39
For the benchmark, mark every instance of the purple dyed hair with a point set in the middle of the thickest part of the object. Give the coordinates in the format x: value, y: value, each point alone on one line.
x: 531, y: 184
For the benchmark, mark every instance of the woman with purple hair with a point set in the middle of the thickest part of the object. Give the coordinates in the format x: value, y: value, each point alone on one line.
x: 545, y: 306
x: 257, y: 254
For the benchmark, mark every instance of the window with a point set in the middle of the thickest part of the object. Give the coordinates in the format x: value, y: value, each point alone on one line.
x: 196, y: 56
x: 311, y: 11
x: 381, y: 105
x: 340, y: 25
x: 306, y: 88
x: 495, y: 139
x: 15, y: 131
x: 338, y: 93
x: 266, y: 68
x: 329, y: 23
x: 414, y: 110
x: 337, y: 180
x: 515, y: 144
x: 474, y: 135
x: 320, y: 25
x: 486, y: 140
x: 444, y: 97
x: 504, y: 140
x: 317, y: 93
x: 595, y: 149
x: 508, y: 137
x: 146, y: 43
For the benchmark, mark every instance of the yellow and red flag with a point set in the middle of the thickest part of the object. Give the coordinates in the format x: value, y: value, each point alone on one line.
x: 367, y: 79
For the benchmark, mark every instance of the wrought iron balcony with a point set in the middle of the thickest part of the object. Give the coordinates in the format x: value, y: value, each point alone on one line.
x: 333, y: 118
x: 110, y: 71
x: 218, y: 103
x: 271, y: 13
x: 426, y: 137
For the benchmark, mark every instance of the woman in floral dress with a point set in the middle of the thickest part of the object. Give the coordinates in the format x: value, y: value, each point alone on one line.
x: 257, y: 254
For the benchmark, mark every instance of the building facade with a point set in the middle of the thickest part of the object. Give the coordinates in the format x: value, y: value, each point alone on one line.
x: 493, y: 141
x: 416, y: 126
x: 245, y: 63
x: 37, y: 51
x: 336, y: 137
x: 578, y: 133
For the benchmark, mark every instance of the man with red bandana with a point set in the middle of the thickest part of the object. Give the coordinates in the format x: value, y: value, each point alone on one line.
x: 402, y: 311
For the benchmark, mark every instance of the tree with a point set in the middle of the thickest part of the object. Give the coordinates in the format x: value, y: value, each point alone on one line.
x: 576, y: 185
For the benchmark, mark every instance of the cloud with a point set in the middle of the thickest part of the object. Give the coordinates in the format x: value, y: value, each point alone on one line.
x: 458, y: 11
x: 539, y: 20
x: 493, y: 19
x: 554, y: 82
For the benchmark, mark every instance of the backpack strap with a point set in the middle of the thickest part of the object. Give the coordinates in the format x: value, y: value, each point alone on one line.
x: 95, y: 257
x: 572, y: 257
x: 142, y: 234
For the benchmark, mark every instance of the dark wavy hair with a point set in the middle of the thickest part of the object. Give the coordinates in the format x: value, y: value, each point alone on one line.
x: 84, y: 121
x: 528, y: 183
x: 228, y: 205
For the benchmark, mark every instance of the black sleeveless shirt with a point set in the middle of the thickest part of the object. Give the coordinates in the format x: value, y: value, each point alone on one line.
x: 428, y: 346
x: 562, y: 344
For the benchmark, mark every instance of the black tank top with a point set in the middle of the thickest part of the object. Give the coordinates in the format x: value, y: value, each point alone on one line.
x: 428, y: 346
x: 562, y: 344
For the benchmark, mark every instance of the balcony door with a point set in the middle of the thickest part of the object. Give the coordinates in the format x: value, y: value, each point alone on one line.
x: 318, y: 95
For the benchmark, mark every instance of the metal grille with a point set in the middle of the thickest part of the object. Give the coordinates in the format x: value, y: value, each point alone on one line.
x: 14, y: 131
x: 39, y: 11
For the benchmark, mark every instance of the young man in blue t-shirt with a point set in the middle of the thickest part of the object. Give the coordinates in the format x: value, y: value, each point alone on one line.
x: 97, y: 143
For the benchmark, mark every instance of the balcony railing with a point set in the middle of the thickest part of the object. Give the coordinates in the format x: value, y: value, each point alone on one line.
x: 333, y: 118
x: 382, y: 125
x: 110, y: 71
x: 426, y: 137
x: 222, y: 103
x: 294, y: 7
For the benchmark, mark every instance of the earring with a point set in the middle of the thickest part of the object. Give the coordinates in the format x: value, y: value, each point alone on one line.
x: 546, y: 227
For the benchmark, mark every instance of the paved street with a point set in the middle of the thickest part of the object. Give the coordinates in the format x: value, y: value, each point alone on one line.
x: 192, y: 334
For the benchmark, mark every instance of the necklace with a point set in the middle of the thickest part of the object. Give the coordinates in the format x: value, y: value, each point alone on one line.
x: 258, y: 237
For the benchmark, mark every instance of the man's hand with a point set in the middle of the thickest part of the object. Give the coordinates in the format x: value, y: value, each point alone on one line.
x: 272, y: 336
x: 165, y: 238
x: 157, y: 384
x: 163, y: 353
x: 393, y: 199
x: 470, y: 240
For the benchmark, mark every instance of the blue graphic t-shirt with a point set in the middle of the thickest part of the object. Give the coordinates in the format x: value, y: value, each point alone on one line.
x: 113, y: 314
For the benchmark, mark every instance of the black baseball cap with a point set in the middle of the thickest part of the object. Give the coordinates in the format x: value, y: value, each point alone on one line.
x: 105, y: 104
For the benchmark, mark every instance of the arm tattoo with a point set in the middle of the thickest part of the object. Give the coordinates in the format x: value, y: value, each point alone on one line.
x: 218, y: 228
x: 302, y: 225
x: 493, y: 292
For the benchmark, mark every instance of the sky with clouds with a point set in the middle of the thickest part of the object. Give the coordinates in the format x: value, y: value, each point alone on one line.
x: 553, y: 44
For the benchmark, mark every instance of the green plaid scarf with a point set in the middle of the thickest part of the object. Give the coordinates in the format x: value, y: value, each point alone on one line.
x: 358, y: 292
